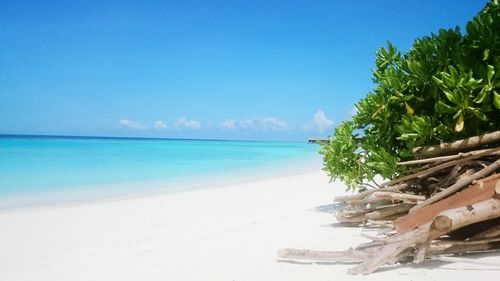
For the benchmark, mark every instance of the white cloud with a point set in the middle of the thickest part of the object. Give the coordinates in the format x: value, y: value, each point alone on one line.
x: 257, y: 124
x: 183, y: 122
x: 273, y: 123
x: 132, y: 124
x: 159, y: 125
x: 229, y: 124
x: 321, y: 122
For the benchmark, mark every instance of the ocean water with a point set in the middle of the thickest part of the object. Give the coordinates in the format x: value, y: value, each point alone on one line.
x: 46, y: 170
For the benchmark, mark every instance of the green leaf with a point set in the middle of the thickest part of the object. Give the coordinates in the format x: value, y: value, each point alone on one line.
x: 479, y: 114
x: 486, y: 54
x: 496, y: 99
x: 438, y: 81
x: 453, y: 73
x: 452, y: 96
x: 480, y: 97
x: 443, y: 108
x: 490, y: 72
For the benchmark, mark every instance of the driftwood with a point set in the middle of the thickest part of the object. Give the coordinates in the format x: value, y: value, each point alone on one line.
x: 481, y: 191
x: 389, y: 211
x: 350, y: 255
x: 460, y: 145
x: 444, y: 158
x: 393, y: 248
x: 446, y: 205
x: 453, y: 219
x: 432, y: 170
x: 459, y: 185
x: 391, y: 196
x: 464, y: 260
x: 444, y: 223
x: 418, y: 240
x: 436, y: 248
x: 361, y: 195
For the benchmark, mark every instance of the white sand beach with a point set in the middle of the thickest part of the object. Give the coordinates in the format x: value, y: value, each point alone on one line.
x: 224, y: 233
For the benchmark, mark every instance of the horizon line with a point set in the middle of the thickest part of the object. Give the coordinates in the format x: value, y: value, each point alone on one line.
x: 3, y: 135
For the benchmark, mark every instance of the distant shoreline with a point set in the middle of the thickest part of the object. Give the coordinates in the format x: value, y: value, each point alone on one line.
x: 28, y: 136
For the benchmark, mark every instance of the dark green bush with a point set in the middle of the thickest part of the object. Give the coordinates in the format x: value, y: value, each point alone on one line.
x: 446, y: 87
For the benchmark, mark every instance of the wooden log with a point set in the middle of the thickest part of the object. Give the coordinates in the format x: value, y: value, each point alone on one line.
x: 452, y: 249
x: 464, y: 260
x: 350, y: 219
x: 450, y: 243
x: 445, y: 158
x: 389, y: 211
x: 398, y: 196
x: 481, y: 191
x: 350, y: 255
x: 459, y: 185
x: 453, y: 219
x: 460, y: 145
x: 466, y: 233
x: 359, y: 210
x: 382, y: 196
x: 432, y: 170
x: 392, y: 250
x: 361, y: 195
x: 421, y: 253
x: 445, y: 222
x: 354, y: 212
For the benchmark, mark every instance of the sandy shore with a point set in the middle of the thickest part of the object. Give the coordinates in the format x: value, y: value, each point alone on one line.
x: 226, y: 233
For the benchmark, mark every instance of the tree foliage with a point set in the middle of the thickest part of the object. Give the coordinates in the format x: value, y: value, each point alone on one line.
x: 446, y: 87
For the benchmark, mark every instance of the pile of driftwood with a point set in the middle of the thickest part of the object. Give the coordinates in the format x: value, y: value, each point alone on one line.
x: 447, y: 205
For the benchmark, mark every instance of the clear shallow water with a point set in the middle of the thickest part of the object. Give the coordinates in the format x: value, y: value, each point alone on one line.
x: 42, y: 170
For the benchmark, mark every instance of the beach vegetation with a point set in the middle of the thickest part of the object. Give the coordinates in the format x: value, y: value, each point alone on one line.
x: 446, y: 87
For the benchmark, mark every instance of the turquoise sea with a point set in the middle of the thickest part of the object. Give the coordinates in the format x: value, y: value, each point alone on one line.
x: 39, y: 170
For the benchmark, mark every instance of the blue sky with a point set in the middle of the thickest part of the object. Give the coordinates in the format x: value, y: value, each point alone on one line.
x: 282, y: 70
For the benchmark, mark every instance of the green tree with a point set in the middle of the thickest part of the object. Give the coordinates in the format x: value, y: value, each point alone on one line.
x: 446, y: 87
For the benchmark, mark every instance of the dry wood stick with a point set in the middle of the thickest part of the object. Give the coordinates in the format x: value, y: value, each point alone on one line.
x: 458, y: 249
x: 434, y: 169
x: 448, y: 243
x: 350, y: 219
x: 382, y: 213
x: 464, y: 260
x: 465, y: 144
x: 361, y: 195
x: 447, y: 247
x: 397, y: 196
x: 422, y: 250
x: 444, y: 223
x: 380, y: 196
x: 352, y: 213
x: 459, y: 185
x: 331, y: 256
x: 392, y: 250
x: 444, y: 158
